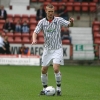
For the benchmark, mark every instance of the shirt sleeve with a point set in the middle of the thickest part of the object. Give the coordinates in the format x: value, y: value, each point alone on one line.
x: 63, y: 22
x: 38, y: 27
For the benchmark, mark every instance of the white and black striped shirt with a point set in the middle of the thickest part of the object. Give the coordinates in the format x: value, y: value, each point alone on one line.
x: 51, y: 31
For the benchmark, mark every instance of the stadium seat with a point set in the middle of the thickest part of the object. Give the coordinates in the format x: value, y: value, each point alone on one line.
x: 25, y: 17
x: 65, y: 1
x: 54, y: 4
x: 17, y: 17
x: 2, y: 21
x: 96, y: 1
x: 9, y: 34
x: 65, y: 41
x: 17, y: 34
x: 96, y: 34
x: 61, y: 3
x: 96, y: 28
x: 77, y: 7
x: 69, y: 7
x: 33, y: 21
x: 85, y: 7
x: 96, y: 23
x: 3, y: 33
x: 25, y: 40
x: 10, y: 16
x: 10, y: 39
x: 25, y: 35
x: 48, y: 0
x: 40, y: 40
x: 92, y: 7
x: 45, y: 3
x: 1, y: 26
x: 71, y: 0
x: 97, y: 40
x: 40, y: 34
x: 17, y: 40
x: 32, y: 27
x: 32, y: 16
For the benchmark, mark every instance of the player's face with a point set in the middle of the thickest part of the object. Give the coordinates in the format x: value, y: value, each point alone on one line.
x: 50, y: 12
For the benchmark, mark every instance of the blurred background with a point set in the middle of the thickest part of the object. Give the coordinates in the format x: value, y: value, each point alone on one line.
x: 81, y: 42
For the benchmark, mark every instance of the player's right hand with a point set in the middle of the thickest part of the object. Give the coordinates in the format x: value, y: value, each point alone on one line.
x: 34, y: 42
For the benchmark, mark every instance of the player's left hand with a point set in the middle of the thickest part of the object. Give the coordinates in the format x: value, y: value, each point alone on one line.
x: 71, y: 19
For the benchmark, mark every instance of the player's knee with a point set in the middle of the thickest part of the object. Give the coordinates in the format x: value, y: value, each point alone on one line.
x: 44, y: 70
x: 56, y: 70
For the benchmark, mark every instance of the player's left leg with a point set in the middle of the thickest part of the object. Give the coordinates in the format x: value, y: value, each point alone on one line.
x: 57, y: 78
x: 57, y: 61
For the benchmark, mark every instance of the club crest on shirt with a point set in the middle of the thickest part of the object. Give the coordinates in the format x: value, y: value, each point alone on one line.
x: 51, y: 30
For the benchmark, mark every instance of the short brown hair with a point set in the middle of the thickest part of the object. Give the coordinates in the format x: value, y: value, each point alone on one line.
x: 50, y: 6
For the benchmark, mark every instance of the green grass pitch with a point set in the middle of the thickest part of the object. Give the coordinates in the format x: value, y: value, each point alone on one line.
x: 23, y: 83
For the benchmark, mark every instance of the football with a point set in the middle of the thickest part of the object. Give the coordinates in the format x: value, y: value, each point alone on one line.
x: 50, y: 91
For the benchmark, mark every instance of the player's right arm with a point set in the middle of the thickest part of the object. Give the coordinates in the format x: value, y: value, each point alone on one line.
x: 34, y: 38
x: 36, y: 31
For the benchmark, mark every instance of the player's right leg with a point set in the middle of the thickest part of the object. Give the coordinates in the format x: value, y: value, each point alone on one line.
x: 44, y: 79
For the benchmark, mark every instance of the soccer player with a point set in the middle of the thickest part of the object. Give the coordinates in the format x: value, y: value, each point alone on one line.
x: 53, y: 52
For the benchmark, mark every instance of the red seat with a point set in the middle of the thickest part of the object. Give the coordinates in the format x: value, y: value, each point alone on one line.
x: 77, y: 6
x: 32, y: 27
x: 25, y: 20
x: 61, y: 3
x: 16, y: 20
x: 10, y: 39
x: 96, y: 23
x: 25, y: 17
x: 17, y: 34
x: 17, y: 17
x: 25, y: 40
x: 45, y: 3
x: 69, y: 6
x: 40, y: 40
x: 40, y: 34
x: 32, y: 21
x: 2, y: 21
x: 97, y: 40
x: 96, y: 1
x: 65, y: 41
x: 32, y: 16
x: 48, y: 0
x: 25, y: 35
x: 9, y: 34
x: 85, y: 6
x: 92, y: 7
x: 3, y: 33
x: 1, y: 26
x: 17, y: 40
x: 95, y: 28
x: 96, y: 34
x: 71, y: 0
x: 10, y: 16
